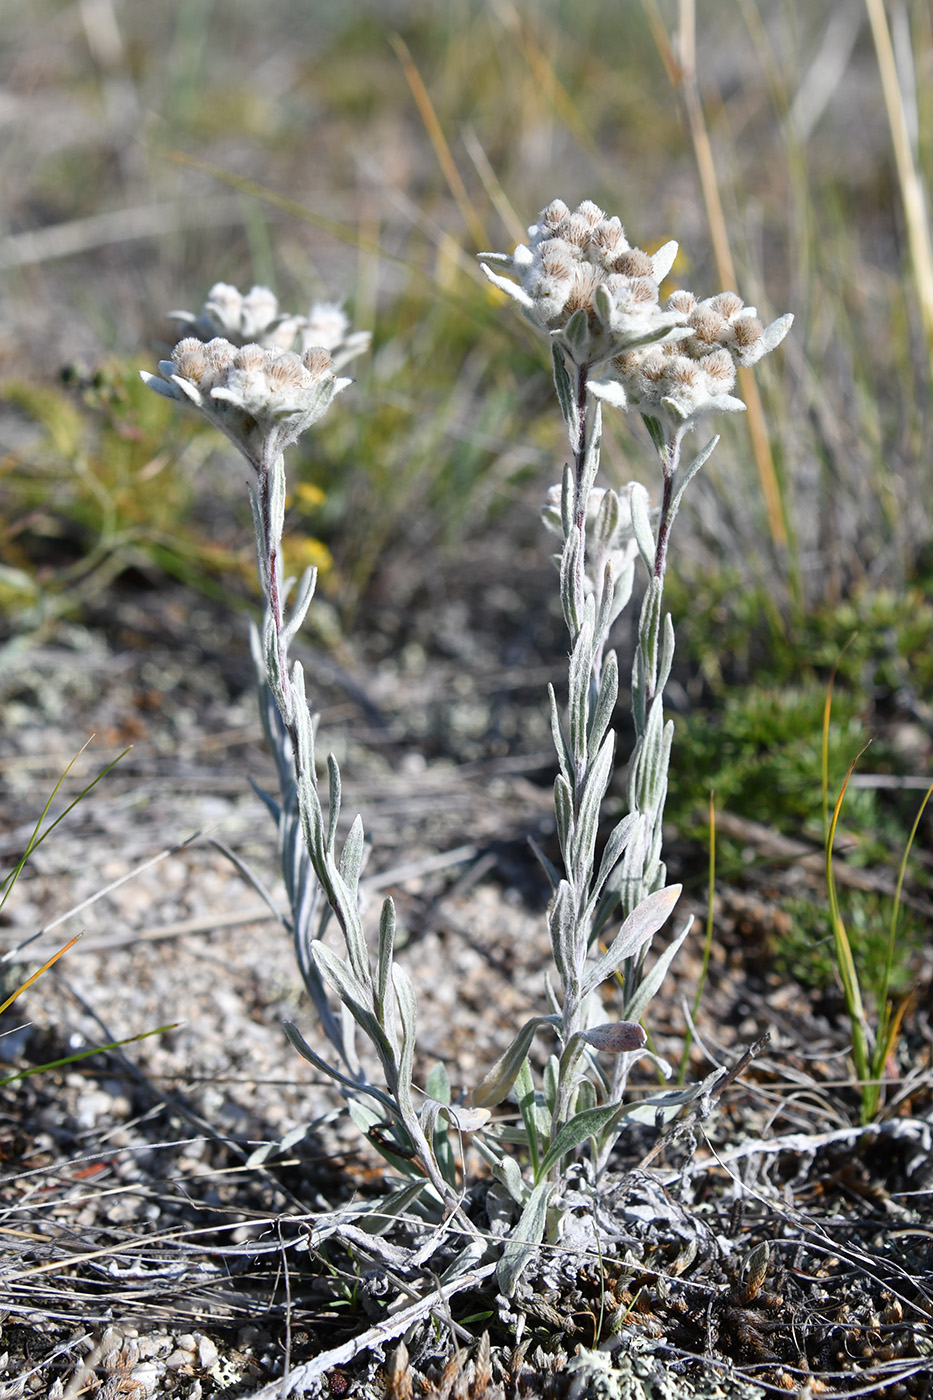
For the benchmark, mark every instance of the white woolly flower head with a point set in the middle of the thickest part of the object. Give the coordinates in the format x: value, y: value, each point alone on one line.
x: 581, y: 282
x: 682, y: 381
x: 252, y: 318
x: 262, y: 398
x: 255, y: 319
x: 327, y: 325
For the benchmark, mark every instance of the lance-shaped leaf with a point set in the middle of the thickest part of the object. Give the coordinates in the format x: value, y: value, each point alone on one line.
x: 640, y: 926
x: 313, y: 1058
x: 605, y: 702
x: 563, y: 810
x: 563, y: 386
x: 667, y: 652
x: 698, y: 461
x: 333, y: 773
x: 641, y: 524
x: 594, y: 790
x: 607, y: 518
x: 351, y: 857
x: 384, y: 963
x: 582, y: 1126
x: 302, y: 602
x: 356, y: 999
x: 562, y: 922
x: 564, y: 756
x: 641, y: 1000
x: 619, y: 837
x: 510, y: 1174
x: 578, y: 694
x: 525, y: 1238
x: 569, y: 602
x: 498, y: 1083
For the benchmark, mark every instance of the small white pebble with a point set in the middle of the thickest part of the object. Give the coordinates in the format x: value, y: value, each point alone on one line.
x: 207, y: 1353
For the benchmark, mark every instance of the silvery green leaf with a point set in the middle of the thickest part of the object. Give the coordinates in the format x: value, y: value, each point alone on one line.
x: 351, y: 857
x: 564, y: 386
x: 564, y: 756
x: 576, y: 333
x: 609, y: 390
x: 581, y: 1127
x: 606, y: 602
x: 607, y: 519
x: 384, y: 961
x: 619, y: 837
x: 551, y: 1081
x: 534, y: 1111
x: 568, y: 492
x: 333, y: 773
x: 655, y: 431
x: 259, y: 529
x: 591, y: 454
x: 639, y: 700
x: 605, y: 702
x: 699, y: 460
x: 313, y: 1058
x: 667, y: 652
x: 578, y: 698
x: 622, y: 589
x: 550, y: 870
x: 509, y: 1173
x: 568, y: 580
x: 430, y: 1111
x: 716, y: 403
x: 525, y: 1238
x: 641, y: 1000
x: 437, y: 1084
x: 563, y: 809
x: 640, y: 926
x: 594, y: 790
x: 277, y: 497
x: 498, y: 1083
x: 561, y: 922
x: 408, y: 1010
x: 649, y: 625
x: 351, y: 992
x: 586, y: 1096
x: 364, y: 1115
x: 641, y: 524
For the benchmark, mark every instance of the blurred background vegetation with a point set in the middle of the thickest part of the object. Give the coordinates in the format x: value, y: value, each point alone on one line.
x: 365, y: 152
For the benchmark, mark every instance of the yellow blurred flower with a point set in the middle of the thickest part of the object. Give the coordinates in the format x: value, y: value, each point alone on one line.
x: 304, y: 552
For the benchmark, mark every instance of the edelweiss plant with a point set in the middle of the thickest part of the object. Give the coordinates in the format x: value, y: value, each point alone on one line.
x: 597, y: 299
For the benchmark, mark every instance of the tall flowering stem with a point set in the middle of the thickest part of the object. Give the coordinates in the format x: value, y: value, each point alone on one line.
x: 597, y: 298
x: 264, y: 397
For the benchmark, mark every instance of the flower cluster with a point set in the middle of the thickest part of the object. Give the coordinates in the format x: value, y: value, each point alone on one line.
x: 582, y: 282
x: 609, y: 530
x: 679, y: 381
x: 255, y: 319
x: 262, y: 398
